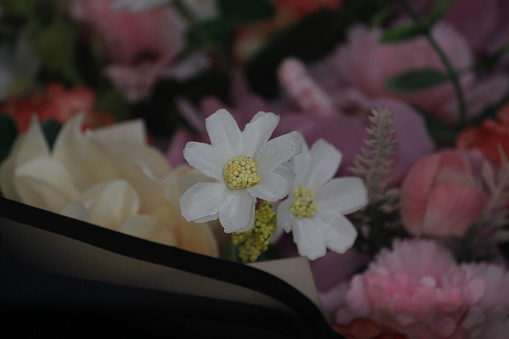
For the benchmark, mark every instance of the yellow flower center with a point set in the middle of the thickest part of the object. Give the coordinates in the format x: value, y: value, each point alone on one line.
x: 240, y: 172
x: 304, y: 205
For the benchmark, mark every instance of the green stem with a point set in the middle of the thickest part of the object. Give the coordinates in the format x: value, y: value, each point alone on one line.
x: 453, y: 75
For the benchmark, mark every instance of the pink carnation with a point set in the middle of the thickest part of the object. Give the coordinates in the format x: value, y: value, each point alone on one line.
x: 139, y: 46
x: 418, y: 289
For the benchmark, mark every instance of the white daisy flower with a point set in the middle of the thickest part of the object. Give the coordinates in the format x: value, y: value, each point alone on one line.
x: 315, y: 209
x: 242, y: 166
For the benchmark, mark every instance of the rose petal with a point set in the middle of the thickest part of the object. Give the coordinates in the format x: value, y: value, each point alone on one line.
x: 148, y: 228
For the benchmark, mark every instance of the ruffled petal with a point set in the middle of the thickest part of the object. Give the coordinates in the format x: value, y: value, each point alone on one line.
x: 236, y: 214
x: 76, y: 210
x: 130, y: 132
x: 345, y: 195
x: 224, y: 133
x: 202, y: 201
x: 258, y: 132
x: 84, y: 157
x: 147, y: 227
x: 274, y: 186
x: 113, y: 204
x: 309, y: 238
x: 339, y: 232
x: 324, y: 163
x: 206, y: 159
x: 44, y: 183
x: 278, y: 151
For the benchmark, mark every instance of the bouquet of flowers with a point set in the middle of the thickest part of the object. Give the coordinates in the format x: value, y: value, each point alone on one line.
x: 369, y: 137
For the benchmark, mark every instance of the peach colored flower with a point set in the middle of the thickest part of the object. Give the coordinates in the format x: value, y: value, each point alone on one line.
x: 56, y: 102
x: 109, y: 177
x: 138, y: 46
x: 440, y: 196
x: 489, y: 138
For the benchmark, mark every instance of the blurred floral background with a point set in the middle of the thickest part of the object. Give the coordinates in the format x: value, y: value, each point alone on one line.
x: 98, y: 99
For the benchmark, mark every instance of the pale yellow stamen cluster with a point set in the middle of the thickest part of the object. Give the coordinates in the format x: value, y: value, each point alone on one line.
x: 304, y: 205
x: 240, y: 172
x: 253, y: 243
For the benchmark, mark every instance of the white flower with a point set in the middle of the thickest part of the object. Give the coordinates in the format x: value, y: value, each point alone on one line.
x: 108, y: 177
x: 242, y: 166
x: 315, y: 210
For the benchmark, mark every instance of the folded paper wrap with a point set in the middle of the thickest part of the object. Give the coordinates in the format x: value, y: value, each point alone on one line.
x: 50, y: 244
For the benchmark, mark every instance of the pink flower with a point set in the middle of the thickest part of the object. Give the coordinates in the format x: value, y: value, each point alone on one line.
x: 365, y: 63
x: 440, y: 195
x: 418, y: 289
x: 138, y: 46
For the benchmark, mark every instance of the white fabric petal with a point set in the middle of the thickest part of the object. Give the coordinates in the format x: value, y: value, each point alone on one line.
x: 324, y: 163
x: 85, y: 158
x: 147, y: 227
x: 206, y: 159
x: 274, y: 186
x: 236, y: 214
x: 130, y: 132
x: 283, y: 217
x: 257, y: 132
x: 299, y: 165
x: 345, y: 195
x: 207, y: 218
x: 44, y: 183
x: 309, y: 238
x: 224, y: 133
x: 339, y: 232
x: 202, y: 201
x: 114, y: 204
x: 278, y: 151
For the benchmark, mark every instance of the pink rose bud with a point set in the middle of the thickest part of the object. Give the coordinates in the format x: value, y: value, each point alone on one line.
x: 440, y: 196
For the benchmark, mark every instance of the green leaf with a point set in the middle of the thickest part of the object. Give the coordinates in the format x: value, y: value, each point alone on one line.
x: 239, y: 11
x: 403, y: 32
x: 55, y: 45
x: 439, y: 11
x: 50, y: 128
x: 416, y: 80
x: 8, y: 133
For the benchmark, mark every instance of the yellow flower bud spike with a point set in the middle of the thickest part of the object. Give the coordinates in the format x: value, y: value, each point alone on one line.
x: 251, y: 244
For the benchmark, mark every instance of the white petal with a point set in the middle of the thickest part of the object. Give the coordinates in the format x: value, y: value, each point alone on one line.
x: 84, y: 157
x: 114, y: 204
x: 224, y: 133
x: 236, y: 214
x: 309, y: 238
x: 339, y: 232
x: 206, y: 159
x: 274, y: 186
x: 278, y: 151
x: 345, y: 195
x: 44, y: 183
x: 325, y: 160
x: 202, y: 200
x: 299, y: 166
x: 258, y: 132
x: 147, y: 227
x: 283, y: 217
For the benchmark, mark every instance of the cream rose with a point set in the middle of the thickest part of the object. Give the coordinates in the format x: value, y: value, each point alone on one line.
x: 108, y: 177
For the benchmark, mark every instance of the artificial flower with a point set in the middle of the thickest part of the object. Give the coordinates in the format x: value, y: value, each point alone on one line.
x: 490, y: 138
x: 417, y: 288
x: 440, y: 196
x: 386, y: 60
x: 366, y: 329
x: 314, y: 211
x: 138, y: 47
x: 242, y: 166
x: 56, y: 102
x: 108, y: 177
